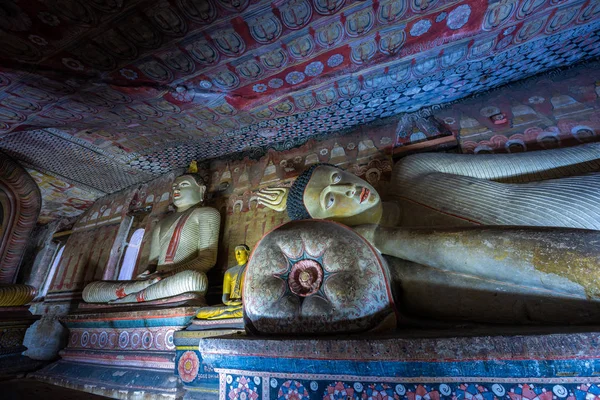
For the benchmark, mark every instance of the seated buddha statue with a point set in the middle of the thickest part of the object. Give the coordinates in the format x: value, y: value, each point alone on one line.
x: 183, y: 248
x: 528, y: 222
x: 232, y: 290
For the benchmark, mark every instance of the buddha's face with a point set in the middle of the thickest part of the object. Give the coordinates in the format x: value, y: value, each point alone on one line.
x: 186, y: 192
x: 241, y: 255
x: 341, y: 196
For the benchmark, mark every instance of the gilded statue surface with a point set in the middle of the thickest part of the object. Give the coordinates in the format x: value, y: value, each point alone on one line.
x: 232, y: 290
x: 526, y: 222
x: 183, y: 248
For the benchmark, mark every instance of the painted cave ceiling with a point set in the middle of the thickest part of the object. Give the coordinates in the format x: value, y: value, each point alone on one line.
x: 97, y: 95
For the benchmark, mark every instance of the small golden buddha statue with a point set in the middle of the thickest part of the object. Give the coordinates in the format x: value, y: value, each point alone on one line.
x: 232, y: 289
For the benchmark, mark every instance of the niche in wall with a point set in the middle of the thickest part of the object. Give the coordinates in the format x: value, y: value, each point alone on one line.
x: 20, y: 202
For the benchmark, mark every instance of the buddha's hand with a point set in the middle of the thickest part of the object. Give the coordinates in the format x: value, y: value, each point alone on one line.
x: 273, y: 198
x: 146, y: 275
x: 233, y: 303
x: 367, y: 232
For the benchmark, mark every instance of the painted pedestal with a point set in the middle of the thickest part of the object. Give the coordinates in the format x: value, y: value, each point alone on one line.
x: 199, y: 380
x: 121, y: 353
x: 519, y: 367
x: 14, y: 322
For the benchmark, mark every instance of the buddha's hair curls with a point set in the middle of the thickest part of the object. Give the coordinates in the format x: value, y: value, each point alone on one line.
x: 295, y: 201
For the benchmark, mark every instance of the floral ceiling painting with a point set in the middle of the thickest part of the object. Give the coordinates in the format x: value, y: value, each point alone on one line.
x: 97, y: 95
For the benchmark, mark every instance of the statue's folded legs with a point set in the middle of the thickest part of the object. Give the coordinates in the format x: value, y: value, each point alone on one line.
x: 146, y: 290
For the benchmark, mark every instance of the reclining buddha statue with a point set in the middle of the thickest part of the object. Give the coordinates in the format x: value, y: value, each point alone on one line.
x: 526, y: 223
x: 183, y: 248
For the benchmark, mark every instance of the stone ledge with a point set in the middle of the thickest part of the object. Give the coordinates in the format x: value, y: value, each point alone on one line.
x: 136, y: 317
x: 226, y: 323
x: 112, y: 381
x: 411, y: 347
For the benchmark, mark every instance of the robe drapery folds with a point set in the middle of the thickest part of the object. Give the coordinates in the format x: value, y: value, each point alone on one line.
x: 555, y: 188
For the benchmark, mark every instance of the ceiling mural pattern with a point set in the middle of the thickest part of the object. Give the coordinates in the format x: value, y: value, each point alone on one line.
x: 105, y: 94
x: 386, y: 98
x: 77, y: 160
x: 60, y: 198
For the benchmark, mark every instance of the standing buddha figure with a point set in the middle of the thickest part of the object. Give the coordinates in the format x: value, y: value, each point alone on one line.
x: 232, y: 290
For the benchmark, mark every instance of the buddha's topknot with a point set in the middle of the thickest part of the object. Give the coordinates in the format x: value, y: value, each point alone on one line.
x: 295, y: 202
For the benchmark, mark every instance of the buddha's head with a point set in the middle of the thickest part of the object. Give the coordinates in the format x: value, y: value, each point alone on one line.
x: 242, y: 252
x: 326, y: 192
x: 188, y: 190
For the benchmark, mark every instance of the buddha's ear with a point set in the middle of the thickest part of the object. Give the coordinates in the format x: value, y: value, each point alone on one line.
x: 202, y: 191
x: 273, y: 198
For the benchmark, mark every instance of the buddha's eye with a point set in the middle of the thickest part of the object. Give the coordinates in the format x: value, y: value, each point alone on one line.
x: 330, y: 201
x: 335, y: 178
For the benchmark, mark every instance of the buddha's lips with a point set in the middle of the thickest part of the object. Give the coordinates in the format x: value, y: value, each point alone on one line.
x: 364, y: 194
x: 176, y: 195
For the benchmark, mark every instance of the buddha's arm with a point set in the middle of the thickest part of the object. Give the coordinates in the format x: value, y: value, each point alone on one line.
x: 227, y: 300
x: 155, y: 245
x: 154, y: 253
x: 560, y: 262
x: 230, y: 302
x: 233, y: 302
x: 234, y: 286
x: 509, y: 168
x: 226, y: 287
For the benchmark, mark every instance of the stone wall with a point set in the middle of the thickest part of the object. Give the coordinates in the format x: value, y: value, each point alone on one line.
x: 556, y: 109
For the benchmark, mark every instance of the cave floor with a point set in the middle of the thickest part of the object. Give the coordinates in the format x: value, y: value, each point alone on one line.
x: 25, y: 389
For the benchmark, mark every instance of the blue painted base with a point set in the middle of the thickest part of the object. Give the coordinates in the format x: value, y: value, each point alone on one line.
x: 540, y: 367
x: 279, y: 387
x: 199, y: 379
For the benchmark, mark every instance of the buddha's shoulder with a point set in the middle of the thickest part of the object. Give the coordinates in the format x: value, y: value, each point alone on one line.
x: 206, y: 212
x: 235, y: 269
